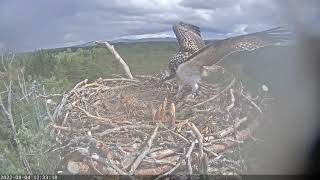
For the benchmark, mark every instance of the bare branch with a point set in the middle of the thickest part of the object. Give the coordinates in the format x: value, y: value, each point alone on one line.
x: 145, y: 151
x: 118, y: 57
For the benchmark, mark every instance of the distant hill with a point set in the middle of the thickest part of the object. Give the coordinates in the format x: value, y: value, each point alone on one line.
x: 121, y: 40
x: 167, y: 40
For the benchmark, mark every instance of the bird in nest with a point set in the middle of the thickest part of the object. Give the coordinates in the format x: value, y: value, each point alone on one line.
x: 189, y: 41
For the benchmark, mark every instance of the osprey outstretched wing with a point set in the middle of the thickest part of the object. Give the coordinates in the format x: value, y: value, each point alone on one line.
x: 189, y: 41
x: 189, y: 37
x: 189, y: 72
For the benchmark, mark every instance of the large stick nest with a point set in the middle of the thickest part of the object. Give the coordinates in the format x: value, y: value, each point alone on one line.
x: 124, y: 126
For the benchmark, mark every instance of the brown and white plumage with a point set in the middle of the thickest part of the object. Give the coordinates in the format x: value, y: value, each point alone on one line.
x: 189, y: 73
x: 189, y: 41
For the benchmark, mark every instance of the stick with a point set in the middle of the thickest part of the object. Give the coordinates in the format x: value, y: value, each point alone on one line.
x: 232, y: 101
x: 108, y: 131
x: 144, y: 152
x: 96, y: 117
x: 230, y: 130
x: 199, y: 136
x: 251, y: 102
x: 188, y: 157
x: 172, y: 115
x: 118, y: 57
x: 57, y: 111
x: 203, y: 156
x: 180, y: 161
x: 162, y: 154
x: 120, y: 79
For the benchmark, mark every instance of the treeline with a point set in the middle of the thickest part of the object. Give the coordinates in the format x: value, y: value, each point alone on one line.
x: 71, y: 65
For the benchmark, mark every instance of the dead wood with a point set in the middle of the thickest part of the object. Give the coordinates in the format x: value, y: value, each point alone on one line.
x: 139, y: 129
x: 118, y: 57
x: 144, y: 151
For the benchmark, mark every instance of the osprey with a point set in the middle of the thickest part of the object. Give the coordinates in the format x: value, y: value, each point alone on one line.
x: 189, y: 41
x: 189, y: 72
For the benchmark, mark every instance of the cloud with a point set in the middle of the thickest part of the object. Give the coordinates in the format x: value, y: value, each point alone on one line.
x: 26, y: 25
x: 154, y: 35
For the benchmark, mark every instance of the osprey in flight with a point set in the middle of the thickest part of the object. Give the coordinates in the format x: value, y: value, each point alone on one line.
x: 189, y: 72
x: 189, y: 41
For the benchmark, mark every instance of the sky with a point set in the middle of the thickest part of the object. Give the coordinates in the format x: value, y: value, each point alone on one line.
x: 29, y: 24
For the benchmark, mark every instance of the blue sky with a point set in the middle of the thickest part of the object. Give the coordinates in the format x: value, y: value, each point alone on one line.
x: 29, y: 24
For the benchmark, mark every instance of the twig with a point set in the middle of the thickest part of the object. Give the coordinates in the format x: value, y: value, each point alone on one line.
x: 120, y: 79
x: 199, y: 136
x: 251, y: 102
x: 116, y: 129
x: 162, y: 153
x: 57, y: 111
x: 49, y: 95
x: 203, y: 156
x: 188, y: 157
x: 96, y: 117
x: 21, y: 86
x: 180, y: 136
x: 230, y: 130
x: 65, y: 118
x: 180, y: 161
x: 173, y: 115
x: 145, y: 151
x: 210, y: 152
x: 229, y: 107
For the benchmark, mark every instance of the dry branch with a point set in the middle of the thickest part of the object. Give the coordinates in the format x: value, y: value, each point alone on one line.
x: 144, y: 151
x: 118, y: 57
x: 58, y: 109
x: 251, y: 102
x: 162, y: 153
x: 230, y: 130
x: 8, y: 113
x: 108, y: 131
x: 97, y: 117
